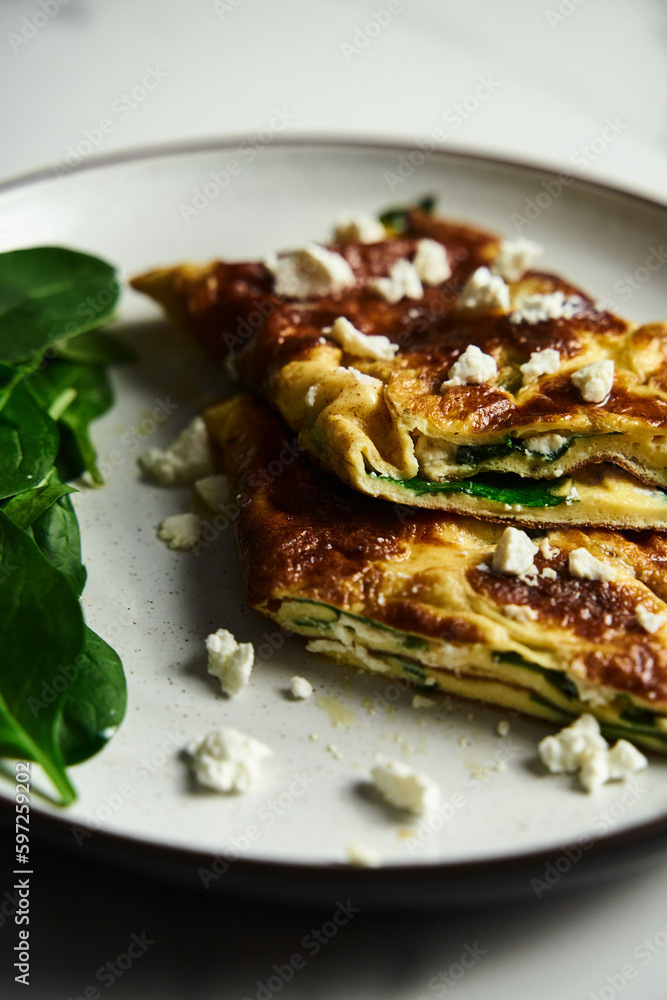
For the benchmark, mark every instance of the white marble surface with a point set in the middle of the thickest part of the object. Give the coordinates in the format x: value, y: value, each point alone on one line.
x: 538, y: 80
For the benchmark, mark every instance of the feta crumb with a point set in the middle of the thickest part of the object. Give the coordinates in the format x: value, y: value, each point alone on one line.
x: 544, y: 362
x: 549, y: 574
x: 514, y: 553
x: 544, y: 444
x: 355, y: 342
x: 363, y: 856
x: 419, y: 701
x: 545, y: 548
x: 311, y: 272
x: 520, y: 613
x: 625, y: 759
x: 540, y: 308
x: 585, y: 566
x: 403, y: 283
x: 213, y: 490
x: 404, y: 787
x: 186, y: 459
x: 594, y: 769
x: 649, y: 620
x: 300, y: 688
x: 563, y: 752
x: 181, y: 531
x: 515, y: 257
x: 594, y: 381
x: 484, y: 293
x: 365, y: 379
x: 227, y: 760
x: 431, y: 262
x: 229, y: 660
x: 473, y: 367
x: 582, y: 747
x: 503, y: 728
x: 311, y: 395
x: 359, y: 227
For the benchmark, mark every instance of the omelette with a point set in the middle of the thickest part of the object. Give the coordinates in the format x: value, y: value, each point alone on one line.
x: 428, y: 363
x: 575, y: 621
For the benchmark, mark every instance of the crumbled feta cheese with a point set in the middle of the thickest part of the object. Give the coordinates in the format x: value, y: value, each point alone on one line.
x: 594, y: 381
x: 229, y: 660
x: 181, y: 531
x: 594, y: 769
x: 419, y: 701
x: 355, y: 342
x: 544, y: 362
x: 582, y: 747
x: 503, y: 728
x: 431, y: 262
x: 514, y: 553
x: 520, y: 613
x: 300, y: 688
x: 359, y: 227
x: 549, y: 574
x: 585, y: 566
x: 563, y: 752
x: 213, y: 490
x: 363, y: 856
x: 625, y: 759
x: 227, y: 760
x: 544, y: 444
x: 311, y: 395
x: 515, y: 257
x: 312, y: 272
x: 649, y: 620
x: 545, y: 548
x: 403, y: 283
x: 473, y: 367
x: 540, y: 308
x: 186, y: 459
x: 404, y: 787
x: 365, y: 379
x: 484, y: 292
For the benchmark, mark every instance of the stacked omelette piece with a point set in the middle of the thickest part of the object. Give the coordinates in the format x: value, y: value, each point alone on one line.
x: 476, y: 499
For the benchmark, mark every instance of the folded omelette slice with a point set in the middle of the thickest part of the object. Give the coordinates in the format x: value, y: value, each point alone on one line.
x: 568, y: 622
x: 433, y: 369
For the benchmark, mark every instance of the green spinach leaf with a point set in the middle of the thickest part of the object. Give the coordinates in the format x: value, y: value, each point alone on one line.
x: 48, y: 295
x: 41, y: 635
x: 28, y: 442
x: 24, y: 508
x: 96, y: 701
x: 74, y: 395
x: 95, y: 348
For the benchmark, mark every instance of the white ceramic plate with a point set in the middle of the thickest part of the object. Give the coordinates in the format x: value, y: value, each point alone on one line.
x: 156, y: 606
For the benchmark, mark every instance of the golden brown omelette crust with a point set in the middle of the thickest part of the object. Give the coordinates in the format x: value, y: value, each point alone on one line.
x: 302, y: 533
x: 231, y: 307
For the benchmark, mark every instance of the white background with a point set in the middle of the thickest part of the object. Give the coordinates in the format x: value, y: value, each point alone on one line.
x: 551, y: 74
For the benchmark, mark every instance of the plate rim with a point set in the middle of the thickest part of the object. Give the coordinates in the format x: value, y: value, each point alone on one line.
x: 607, y: 848
x: 185, y: 147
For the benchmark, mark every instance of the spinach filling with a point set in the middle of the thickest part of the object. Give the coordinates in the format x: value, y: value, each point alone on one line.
x: 501, y: 487
x: 396, y: 219
x: 476, y: 454
x: 555, y: 677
